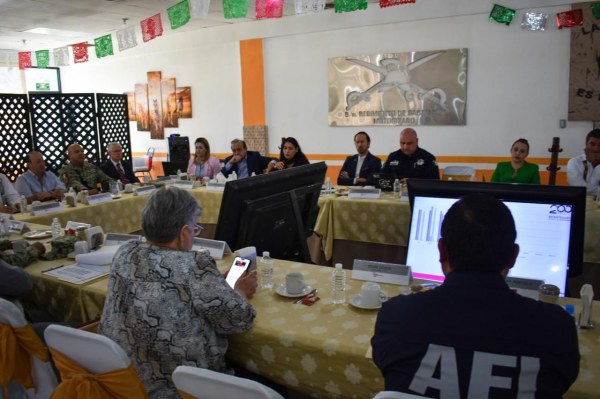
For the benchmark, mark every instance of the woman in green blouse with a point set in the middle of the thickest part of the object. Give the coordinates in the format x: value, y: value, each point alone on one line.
x: 517, y: 170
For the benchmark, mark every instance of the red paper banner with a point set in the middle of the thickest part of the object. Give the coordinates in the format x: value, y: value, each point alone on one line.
x: 152, y: 28
x: 269, y: 9
x: 390, y: 3
x: 569, y: 19
x: 80, y: 52
x: 24, y: 59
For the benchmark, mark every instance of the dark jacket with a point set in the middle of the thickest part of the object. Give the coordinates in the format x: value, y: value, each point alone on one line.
x: 109, y: 169
x: 256, y: 163
x: 370, y: 165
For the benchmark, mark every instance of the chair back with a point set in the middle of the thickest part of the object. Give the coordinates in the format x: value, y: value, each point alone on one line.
x: 140, y: 164
x: 92, y: 366
x: 397, y: 395
x: 94, y: 352
x: 42, y: 372
x: 461, y: 173
x: 207, y: 384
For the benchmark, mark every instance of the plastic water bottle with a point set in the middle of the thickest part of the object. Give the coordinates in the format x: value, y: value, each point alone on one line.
x: 397, y: 189
x: 23, y: 204
x: 338, y: 284
x: 328, y: 185
x: 56, y: 228
x: 266, y: 271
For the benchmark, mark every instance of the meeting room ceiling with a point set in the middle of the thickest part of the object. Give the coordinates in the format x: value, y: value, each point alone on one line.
x: 81, y: 20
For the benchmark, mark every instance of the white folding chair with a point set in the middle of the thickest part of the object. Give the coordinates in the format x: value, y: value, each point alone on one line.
x: 456, y: 172
x: 95, y: 353
x: 43, y: 375
x: 397, y: 395
x: 208, y: 384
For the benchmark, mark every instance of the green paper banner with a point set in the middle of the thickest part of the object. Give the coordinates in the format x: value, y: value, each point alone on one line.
x: 43, y: 58
x: 502, y: 14
x: 595, y: 9
x: 103, y: 46
x: 349, y: 5
x: 179, y: 14
x: 235, y: 8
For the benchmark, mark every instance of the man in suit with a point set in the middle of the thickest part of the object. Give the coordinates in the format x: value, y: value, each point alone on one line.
x: 115, y: 167
x: 358, y: 169
x: 244, y: 162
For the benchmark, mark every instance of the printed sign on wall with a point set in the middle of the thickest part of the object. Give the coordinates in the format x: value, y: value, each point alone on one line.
x: 413, y: 88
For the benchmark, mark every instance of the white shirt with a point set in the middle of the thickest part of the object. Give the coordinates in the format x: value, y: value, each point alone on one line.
x: 8, y: 193
x: 578, y: 176
x: 359, y: 164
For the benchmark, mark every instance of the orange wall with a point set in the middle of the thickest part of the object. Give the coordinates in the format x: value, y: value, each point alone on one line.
x: 253, y: 82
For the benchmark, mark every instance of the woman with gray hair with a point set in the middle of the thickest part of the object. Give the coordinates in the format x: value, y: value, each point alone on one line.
x: 167, y: 305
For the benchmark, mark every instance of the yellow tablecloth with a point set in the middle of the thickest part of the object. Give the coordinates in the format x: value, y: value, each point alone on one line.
x: 322, y: 349
x: 123, y: 215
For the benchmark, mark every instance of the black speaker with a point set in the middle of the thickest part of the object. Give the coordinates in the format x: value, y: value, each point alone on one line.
x: 179, y: 149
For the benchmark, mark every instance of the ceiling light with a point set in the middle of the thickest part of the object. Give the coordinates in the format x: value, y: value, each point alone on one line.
x: 56, y: 32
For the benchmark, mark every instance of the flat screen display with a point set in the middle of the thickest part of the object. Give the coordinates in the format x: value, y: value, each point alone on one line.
x: 549, y: 222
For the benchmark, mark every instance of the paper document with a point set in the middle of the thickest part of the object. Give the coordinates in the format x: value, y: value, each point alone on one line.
x: 78, y: 274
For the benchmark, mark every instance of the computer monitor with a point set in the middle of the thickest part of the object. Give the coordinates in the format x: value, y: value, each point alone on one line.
x: 171, y: 168
x: 550, y: 222
x: 268, y: 211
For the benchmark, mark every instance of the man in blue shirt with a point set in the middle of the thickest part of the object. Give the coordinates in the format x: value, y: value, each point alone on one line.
x: 473, y: 337
x: 37, y: 184
x: 244, y: 162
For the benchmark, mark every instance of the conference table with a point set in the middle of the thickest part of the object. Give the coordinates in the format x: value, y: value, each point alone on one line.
x: 320, y: 350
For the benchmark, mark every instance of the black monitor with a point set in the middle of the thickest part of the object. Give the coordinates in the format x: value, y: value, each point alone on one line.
x: 274, y: 212
x: 550, y: 222
x: 171, y: 168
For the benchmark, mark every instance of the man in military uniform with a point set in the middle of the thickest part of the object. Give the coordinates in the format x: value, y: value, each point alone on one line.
x: 80, y: 174
x: 411, y: 161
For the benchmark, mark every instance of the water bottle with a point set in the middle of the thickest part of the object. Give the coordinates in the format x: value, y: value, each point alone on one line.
x: 23, y: 204
x: 266, y: 271
x: 397, y: 189
x: 338, y: 284
x: 328, y: 185
x: 56, y: 228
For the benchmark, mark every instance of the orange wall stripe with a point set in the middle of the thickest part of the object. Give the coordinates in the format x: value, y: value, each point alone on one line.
x: 253, y: 82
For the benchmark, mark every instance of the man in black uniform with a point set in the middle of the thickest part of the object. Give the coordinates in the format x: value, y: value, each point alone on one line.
x: 411, y: 161
x: 473, y: 337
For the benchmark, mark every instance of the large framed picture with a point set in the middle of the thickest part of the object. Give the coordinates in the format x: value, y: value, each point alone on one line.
x: 410, y: 89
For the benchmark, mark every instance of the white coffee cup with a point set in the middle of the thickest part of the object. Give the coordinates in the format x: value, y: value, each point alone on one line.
x: 81, y: 247
x: 129, y: 188
x: 205, y: 180
x: 294, y: 283
x: 370, y: 295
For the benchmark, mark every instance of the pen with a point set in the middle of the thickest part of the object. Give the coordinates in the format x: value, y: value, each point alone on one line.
x: 52, y: 268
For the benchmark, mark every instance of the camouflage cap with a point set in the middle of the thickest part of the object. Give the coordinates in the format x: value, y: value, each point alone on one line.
x: 61, y: 247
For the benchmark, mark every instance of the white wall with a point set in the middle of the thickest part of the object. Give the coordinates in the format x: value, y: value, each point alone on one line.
x: 517, y: 79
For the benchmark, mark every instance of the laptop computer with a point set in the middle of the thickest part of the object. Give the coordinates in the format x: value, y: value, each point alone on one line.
x: 171, y: 168
x: 384, y: 181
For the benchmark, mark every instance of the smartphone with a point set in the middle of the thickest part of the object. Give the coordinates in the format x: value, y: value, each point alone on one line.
x: 238, y: 267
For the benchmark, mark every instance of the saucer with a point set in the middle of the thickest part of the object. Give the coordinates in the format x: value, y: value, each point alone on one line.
x: 37, y: 234
x: 355, y: 301
x: 281, y: 290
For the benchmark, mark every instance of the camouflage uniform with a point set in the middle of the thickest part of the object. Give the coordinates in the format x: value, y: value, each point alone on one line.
x: 21, y: 258
x: 85, y: 178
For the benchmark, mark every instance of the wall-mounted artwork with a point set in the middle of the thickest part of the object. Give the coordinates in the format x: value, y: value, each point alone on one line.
x: 141, y: 107
x: 184, y: 101
x: 131, y: 105
x: 157, y: 130
x: 169, y: 106
x: 159, y: 104
x: 412, y: 88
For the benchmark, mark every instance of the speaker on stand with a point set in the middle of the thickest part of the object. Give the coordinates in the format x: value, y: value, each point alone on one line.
x: 179, y: 149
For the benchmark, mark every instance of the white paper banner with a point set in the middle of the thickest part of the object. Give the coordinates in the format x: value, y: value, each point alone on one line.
x: 126, y: 38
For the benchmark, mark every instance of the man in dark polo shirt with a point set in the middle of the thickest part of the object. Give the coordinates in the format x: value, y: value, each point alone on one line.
x: 473, y: 337
x: 411, y: 161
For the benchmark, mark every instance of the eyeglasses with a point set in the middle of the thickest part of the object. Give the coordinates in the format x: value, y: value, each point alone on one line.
x: 196, y: 229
